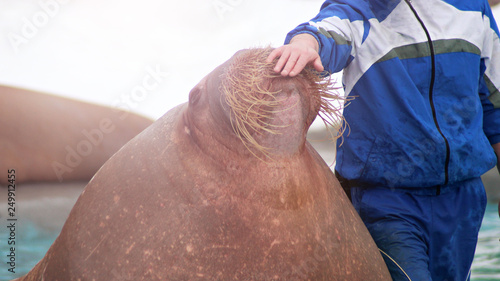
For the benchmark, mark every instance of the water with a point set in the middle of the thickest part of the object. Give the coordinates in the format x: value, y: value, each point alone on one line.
x: 486, y: 265
x: 31, y: 245
x: 40, y: 210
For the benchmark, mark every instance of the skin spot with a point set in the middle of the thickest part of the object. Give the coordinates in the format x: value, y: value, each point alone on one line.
x: 189, y: 248
x: 186, y: 129
x: 116, y: 199
x: 130, y: 248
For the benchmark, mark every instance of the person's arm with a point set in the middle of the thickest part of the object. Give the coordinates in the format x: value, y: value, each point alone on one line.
x: 326, y: 41
x: 489, y: 86
x: 302, y: 51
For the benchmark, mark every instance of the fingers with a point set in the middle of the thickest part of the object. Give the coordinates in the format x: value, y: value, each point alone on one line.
x: 291, y: 63
x: 318, y: 65
x: 284, y: 56
x: 287, y: 60
x: 298, y: 61
x: 293, y: 59
x: 274, y: 54
x: 299, y: 65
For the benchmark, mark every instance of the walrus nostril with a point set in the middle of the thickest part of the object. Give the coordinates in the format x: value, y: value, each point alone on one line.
x: 194, y: 96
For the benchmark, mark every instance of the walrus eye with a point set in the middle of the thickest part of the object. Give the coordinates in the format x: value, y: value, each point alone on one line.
x: 194, y: 96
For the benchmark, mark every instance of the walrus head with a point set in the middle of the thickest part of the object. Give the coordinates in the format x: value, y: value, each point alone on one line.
x: 244, y: 101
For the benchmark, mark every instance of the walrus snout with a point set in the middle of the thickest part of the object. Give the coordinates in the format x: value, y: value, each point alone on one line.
x: 268, y: 113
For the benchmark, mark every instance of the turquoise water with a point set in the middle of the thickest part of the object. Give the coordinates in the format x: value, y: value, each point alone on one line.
x: 486, y: 265
x: 32, y: 242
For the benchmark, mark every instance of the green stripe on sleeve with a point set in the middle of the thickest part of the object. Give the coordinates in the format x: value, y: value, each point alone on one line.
x: 494, y: 93
x: 339, y: 40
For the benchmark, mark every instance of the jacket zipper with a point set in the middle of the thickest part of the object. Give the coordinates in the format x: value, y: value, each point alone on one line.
x: 431, y: 93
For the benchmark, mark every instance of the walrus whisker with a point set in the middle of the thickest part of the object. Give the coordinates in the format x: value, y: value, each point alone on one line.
x: 329, y: 113
x: 255, y: 144
x: 247, y: 88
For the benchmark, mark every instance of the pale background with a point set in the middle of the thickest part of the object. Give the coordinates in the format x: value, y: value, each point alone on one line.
x: 99, y: 51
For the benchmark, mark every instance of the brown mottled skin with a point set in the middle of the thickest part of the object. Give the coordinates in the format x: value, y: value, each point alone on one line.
x: 38, y: 129
x: 186, y: 200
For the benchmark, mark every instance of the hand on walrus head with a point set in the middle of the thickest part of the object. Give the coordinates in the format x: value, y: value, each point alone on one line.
x: 254, y: 93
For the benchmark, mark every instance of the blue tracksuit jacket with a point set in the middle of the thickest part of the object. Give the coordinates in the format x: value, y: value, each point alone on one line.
x: 426, y: 77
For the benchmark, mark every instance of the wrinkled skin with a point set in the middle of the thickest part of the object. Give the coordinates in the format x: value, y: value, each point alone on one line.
x: 186, y: 200
x: 42, y: 137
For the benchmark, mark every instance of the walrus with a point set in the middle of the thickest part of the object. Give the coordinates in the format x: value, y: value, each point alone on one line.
x: 223, y: 187
x: 49, y: 138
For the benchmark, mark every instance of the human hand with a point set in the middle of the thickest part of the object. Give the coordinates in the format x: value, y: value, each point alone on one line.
x: 294, y: 57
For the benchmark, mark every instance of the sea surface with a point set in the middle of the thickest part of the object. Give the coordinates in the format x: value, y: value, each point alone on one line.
x: 486, y: 265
